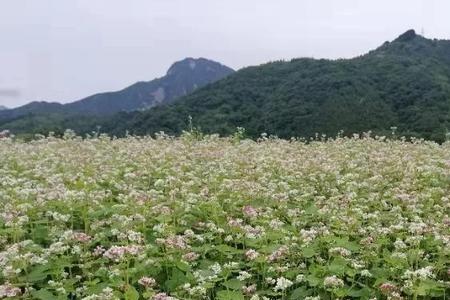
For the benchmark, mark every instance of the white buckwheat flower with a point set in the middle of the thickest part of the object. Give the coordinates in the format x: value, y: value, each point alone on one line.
x: 282, y: 284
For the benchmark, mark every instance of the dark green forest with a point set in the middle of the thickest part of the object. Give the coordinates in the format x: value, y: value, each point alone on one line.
x: 404, y: 84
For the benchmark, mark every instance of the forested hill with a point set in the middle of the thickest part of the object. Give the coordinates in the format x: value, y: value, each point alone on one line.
x: 404, y: 83
x: 182, y: 78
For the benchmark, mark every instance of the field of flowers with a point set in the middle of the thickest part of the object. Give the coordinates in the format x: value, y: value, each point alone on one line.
x: 224, y: 218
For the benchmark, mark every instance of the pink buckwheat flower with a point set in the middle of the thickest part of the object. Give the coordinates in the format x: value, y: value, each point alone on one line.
x: 249, y: 290
x: 176, y: 241
x: 7, y: 290
x: 249, y: 211
x: 117, y: 253
x: 163, y: 296
x: 147, y: 282
x: 279, y: 253
x: 388, y: 288
x: 251, y: 254
x: 191, y: 256
x: 81, y: 237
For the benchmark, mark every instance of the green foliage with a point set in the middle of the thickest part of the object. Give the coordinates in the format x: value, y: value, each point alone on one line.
x: 43, y: 295
x: 403, y: 84
x: 220, y: 218
x: 230, y: 295
x: 131, y: 293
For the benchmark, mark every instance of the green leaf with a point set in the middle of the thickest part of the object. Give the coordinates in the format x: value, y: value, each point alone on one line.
x: 96, y: 287
x: 345, y: 243
x: 230, y: 295
x: 313, y: 280
x: 341, y: 292
x: 309, y: 252
x: 69, y: 284
x: 43, y: 295
x: 225, y: 249
x: 131, y: 293
x: 351, y: 272
x: 269, y: 248
x: 182, y: 266
x: 40, y: 234
x: 425, y: 288
x: 176, y: 279
x: 359, y: 293
x: 38, y: 273
x: 338, y: 266
x: 233, y: 284
x: 61, y: 263
x: 299, y: 293
x: 274, y: 235
x: 311, y: 210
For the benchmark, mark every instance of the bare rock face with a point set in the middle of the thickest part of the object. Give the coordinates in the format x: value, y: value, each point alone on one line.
x: 182, y: 78
x: 159, y: 95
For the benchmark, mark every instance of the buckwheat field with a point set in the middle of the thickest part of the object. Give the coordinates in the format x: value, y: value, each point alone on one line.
x: 224, y: 218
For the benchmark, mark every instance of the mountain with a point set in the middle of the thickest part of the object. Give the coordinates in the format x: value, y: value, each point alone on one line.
x: 3, y: 107
x: 404, y: 84
x: 182, y: 78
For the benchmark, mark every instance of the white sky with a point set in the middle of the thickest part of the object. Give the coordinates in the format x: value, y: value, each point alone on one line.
x: 58, y: 50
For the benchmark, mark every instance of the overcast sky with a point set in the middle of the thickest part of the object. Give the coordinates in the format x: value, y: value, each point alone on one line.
x: 57, y: 50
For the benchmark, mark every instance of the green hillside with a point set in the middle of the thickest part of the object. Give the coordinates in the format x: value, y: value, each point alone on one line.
x: 403, y: 84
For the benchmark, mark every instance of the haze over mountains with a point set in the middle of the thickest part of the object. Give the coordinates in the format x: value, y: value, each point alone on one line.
x: 182, y: 78
x: 404, y: 84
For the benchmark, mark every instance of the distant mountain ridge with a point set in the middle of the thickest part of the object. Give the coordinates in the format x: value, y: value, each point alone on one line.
x: 182, y: 78
x: 3, y: 107
x: 403, y: 84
